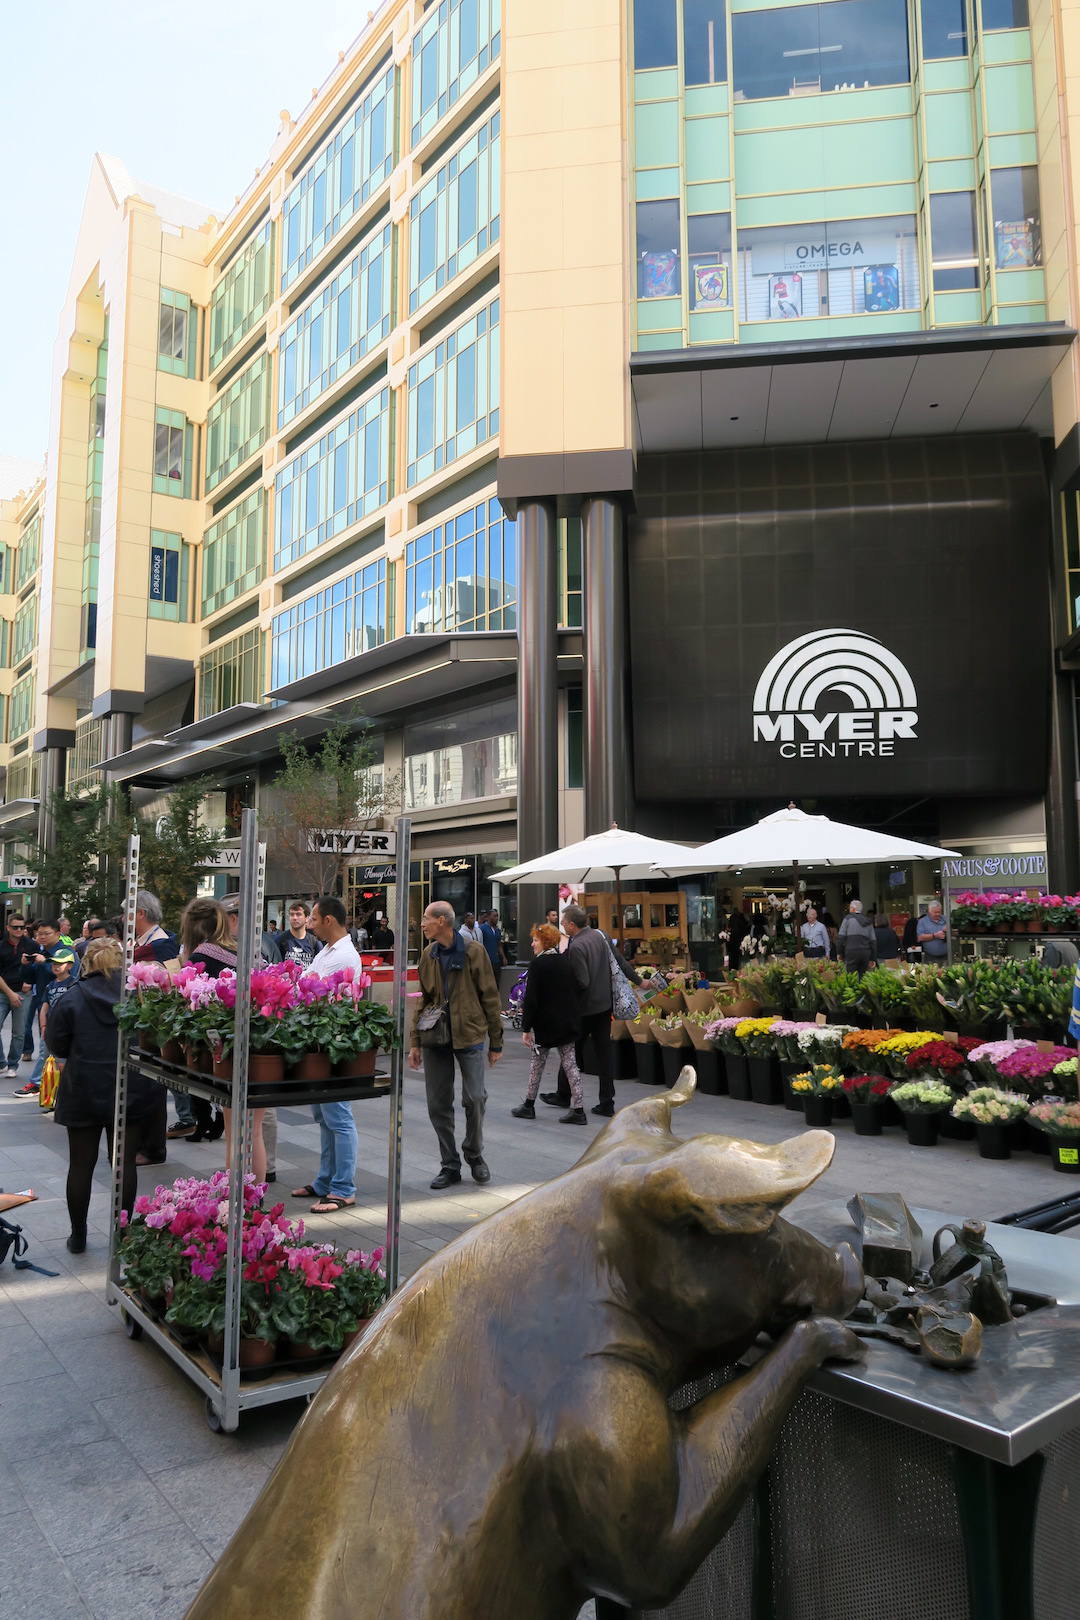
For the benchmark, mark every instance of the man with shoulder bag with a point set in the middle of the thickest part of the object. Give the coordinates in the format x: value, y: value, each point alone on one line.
x: 592, y: 957
x: 459, y: 1007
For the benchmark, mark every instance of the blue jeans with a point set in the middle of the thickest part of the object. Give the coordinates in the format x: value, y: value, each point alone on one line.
x: 337, y: 1165
x: 18, y: 1026
x: 39, y: 1066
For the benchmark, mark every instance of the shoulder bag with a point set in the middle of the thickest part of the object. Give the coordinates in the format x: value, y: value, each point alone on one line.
x: 624, y: 1001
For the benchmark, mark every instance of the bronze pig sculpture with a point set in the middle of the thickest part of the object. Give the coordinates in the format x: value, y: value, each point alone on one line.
x: 499, y: 1443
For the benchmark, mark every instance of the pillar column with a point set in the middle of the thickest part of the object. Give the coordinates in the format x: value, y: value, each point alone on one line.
x: 538, y: 732
x: 116, y: 734
x: 608, y: 737
x: 52, y: 770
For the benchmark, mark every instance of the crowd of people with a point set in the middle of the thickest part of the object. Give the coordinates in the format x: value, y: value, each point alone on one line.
x: 860, y: 941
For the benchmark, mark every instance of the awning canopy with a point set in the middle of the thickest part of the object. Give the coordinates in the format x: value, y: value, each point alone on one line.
x: 975, y: 380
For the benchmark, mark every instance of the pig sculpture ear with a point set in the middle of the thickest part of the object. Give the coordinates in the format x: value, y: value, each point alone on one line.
x: 727, y: 1185
x: 652, y: 1115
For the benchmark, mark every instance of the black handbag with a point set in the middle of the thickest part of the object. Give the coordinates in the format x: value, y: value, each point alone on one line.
x: 433, y: 1025
x: 14, y: 1243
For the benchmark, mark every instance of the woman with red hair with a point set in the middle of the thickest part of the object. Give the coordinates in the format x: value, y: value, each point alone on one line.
x: 551, y: 1018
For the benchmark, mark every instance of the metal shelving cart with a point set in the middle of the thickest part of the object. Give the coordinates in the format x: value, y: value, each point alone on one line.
x: 229, y: 1389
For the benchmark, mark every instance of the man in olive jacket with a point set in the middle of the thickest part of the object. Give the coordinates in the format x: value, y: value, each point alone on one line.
x: 455, y: 974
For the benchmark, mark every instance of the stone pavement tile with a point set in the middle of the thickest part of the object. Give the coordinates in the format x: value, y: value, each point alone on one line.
x: 113, y: 1364
x: 46, y: 1413
x: 34, y: 1582
x: 24, y: 1355
x: 212, y: 1496
x: 83, y: 1496
x: 166, y: 1428
x: 145, y: 1577
x: 59, y: 1306
x: 10, y: 1314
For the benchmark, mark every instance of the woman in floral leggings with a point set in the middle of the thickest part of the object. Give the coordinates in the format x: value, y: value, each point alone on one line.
x: 551, y: 1018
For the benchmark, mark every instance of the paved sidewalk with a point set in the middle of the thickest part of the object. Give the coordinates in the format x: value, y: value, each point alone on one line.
x: 118, y: 1497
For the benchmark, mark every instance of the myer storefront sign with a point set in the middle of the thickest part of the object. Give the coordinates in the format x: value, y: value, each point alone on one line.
x: 821, y: 252
x: 337, y: 841
x: 794, y: 711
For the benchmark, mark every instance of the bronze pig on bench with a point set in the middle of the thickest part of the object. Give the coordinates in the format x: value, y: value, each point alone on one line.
x: 499, y: 1446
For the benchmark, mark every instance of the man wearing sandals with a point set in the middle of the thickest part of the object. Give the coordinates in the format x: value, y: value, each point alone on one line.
x: 334, y: 1187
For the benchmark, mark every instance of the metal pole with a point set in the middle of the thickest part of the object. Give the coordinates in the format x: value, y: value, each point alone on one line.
x: 239, y: 1122
x: 131, y: 884
x: 397, y: 1056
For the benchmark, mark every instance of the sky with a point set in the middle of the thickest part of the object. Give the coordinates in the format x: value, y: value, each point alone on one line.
x: 188, y: 97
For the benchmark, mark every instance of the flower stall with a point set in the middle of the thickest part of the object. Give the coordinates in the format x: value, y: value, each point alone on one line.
x: 236, y: 1295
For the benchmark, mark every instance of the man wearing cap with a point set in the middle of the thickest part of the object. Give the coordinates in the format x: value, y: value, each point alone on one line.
x: 50, y: 950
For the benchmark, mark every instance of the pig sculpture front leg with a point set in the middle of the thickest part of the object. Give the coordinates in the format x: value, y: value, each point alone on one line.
x: 719, y: 1448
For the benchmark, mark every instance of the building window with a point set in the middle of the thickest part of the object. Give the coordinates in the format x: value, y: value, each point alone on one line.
x: 233, y: 552
x: 462, y: 575
x: 22, y: 774
x: 339, y: 622
x: 341, y: 478
x: 28, y: 555
x: 704, y: 42
x: 347, y: 317
x: 454, y: 217
x: 570, y: 594
x: 575, y: 737
x: 242, y: 296
x: 944, y: 28
x: 457, y: 43
x: 708, y: 240
x: 659, y: 267
x: 954, y: 238
x: 471, y: 755
x: 84, y: 758
x: 169, y: 589
x: 799, y: 50
x: 1014, y: 196
x: 231, y: 673
x: 454, y: 395
x: 24, y: 630
x: 236, y: 422
x: 354, y: 162
x: 656, y: 35
x: 21, y: 708
x: 172, y: 453
x: 1004, y: 14
x: 176, y: 334
x: 847, y: 267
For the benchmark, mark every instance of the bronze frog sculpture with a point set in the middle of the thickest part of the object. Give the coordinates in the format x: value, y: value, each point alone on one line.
x: 499, y: 1442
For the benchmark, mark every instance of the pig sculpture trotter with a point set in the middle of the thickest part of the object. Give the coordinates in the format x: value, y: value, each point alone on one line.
x: 499, y: 1445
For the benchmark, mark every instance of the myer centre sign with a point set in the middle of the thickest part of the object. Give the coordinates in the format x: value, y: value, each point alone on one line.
x: 821, y: 252
x: 794, y: 708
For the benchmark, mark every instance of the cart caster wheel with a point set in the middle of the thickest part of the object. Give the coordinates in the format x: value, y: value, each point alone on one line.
x: 214, y: 1420
x: 132, y: 1328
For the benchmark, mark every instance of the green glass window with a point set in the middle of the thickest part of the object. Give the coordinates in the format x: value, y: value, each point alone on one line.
x: 454, y: 395
x: 21, y: 708
x: 462, y: 574
x: 797, y: 50
x: 233, y: 552
x: 5, y: 647
x: 231, y: 673
x: 338, y: 181
x: 704, y: 42
x: 1004, y: 14
x: 345, y: 319
x: 454, y: 217
x: 169, y: 589
x: 342, y: 477
x: 331, y: 625
x: 172, y: 453
x: 24, y: 630
x: 944, y: 28
x: 709, y: 268
x: 236, y: 422
x: 176, y: 333
x: 658, y: 250
x: 656, y: 34
x: 843, y: 267
x: 28, y: 555
x: 954, y: 241
x: 458, y: 41
x: 242, y: 296
x: 1014, y: 197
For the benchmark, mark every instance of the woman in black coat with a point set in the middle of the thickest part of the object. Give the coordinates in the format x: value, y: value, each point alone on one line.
x: 551, y: 1017
x: 82, y: 1032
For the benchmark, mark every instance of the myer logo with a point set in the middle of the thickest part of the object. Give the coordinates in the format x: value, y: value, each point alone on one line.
x: 792, y: 700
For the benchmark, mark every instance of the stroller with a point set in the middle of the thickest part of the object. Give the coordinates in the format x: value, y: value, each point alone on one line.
x: 514, y: 1001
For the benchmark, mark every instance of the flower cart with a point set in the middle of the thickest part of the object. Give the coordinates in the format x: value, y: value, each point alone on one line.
x: 209, y: 1312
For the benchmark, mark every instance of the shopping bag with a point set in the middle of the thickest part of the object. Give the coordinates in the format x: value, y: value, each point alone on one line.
x: 50, y: 1079
x: 624, y: 1003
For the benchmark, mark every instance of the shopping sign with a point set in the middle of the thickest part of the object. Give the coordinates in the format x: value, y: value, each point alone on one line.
x: 21, y: 880
x: 337, y: 841
x: 222, y: 860
x: 792, y: 710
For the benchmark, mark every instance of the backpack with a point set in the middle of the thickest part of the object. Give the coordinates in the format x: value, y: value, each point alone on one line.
x: 12, y: 1242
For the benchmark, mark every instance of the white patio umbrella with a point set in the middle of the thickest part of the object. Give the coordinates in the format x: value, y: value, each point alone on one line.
x: 607, y: 856
x: 792, y: 838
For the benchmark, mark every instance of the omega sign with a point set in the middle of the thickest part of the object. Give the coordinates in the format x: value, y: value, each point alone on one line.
x: 791, y: 709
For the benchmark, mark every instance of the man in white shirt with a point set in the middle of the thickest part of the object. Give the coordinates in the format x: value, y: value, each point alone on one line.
x: 334, y: 1187
x: 470, y: 929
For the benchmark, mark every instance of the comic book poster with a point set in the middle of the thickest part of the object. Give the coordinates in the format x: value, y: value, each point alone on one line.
x: 710, y: 285
x: 659, y: 275
x: 785, y: 296
x: 1015, y: 243
x: 881, y: 288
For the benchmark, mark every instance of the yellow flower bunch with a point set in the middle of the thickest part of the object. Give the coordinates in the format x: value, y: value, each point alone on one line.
x: 753, y: 1026
x: 802, y: 1083
x: 821, y: 1081
x: 907, y: 1041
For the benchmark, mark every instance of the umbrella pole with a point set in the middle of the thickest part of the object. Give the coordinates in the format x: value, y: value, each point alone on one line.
x: 795, y: 900
x: 618, y: 904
